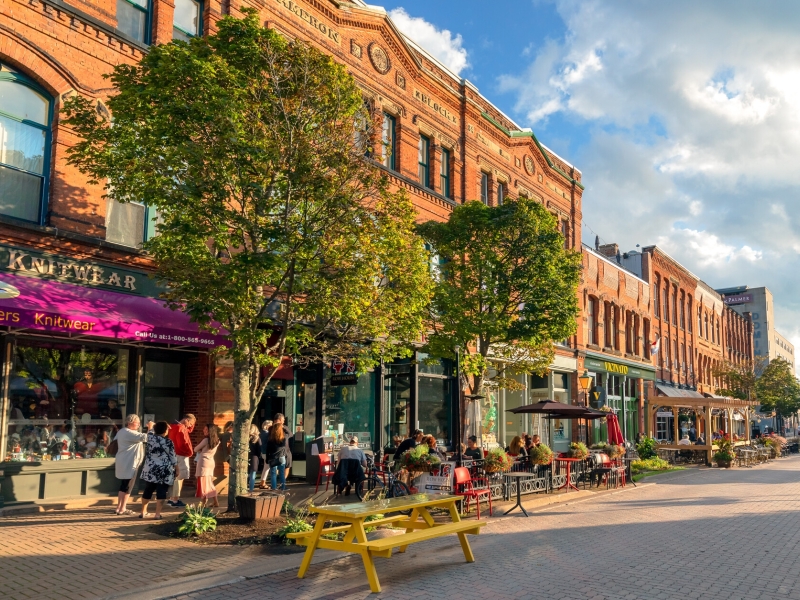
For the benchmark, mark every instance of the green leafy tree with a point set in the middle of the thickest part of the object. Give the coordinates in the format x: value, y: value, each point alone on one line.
x: 777, y: 388
x: 738, y: 380
x: 272, y: 223
x: 506, y: 288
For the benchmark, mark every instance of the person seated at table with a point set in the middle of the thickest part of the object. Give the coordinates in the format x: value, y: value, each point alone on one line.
x: 536, y: 441
x: 461, y: 455
x: 684, y: 441
x: 473, y: 452
x: 517, y: 448
x: 349, y: 467
x: 434, y: 449
x: 408, y: 444
x: 692, y: 434
x: 701, y: 440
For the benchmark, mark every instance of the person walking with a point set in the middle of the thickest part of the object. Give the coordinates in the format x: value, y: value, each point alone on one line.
x: 129, y: 456
x: 264, y: 437
x: 205, y: 464
x: 159, y: 468
x: 179, y: 434
x: 253, y: 457
x: 277, y: 452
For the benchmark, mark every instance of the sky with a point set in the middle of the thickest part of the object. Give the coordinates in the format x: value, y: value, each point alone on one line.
x: 683, y: 117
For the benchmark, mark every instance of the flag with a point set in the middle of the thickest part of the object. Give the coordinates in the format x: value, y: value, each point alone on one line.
x: 655, y: 346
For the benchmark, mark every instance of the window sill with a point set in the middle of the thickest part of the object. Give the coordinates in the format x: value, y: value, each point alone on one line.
x: 414, y: 184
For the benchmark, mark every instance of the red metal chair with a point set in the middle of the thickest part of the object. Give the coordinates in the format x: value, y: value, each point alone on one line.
x: 325, y: 470
x: 464, y: 487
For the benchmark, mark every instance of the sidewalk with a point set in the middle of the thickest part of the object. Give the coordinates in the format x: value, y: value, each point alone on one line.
x: 92, y: 553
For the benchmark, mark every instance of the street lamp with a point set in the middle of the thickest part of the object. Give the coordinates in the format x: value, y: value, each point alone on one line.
x: 585, y: 380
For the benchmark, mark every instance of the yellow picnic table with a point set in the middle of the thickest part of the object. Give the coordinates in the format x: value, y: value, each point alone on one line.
x: 419, y: 526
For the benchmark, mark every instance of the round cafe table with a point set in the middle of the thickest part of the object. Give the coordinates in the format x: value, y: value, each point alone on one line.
x: 518, y: 476
x: 568, y: 483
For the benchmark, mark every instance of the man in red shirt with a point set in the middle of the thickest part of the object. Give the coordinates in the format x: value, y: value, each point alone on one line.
x: 179, y: 434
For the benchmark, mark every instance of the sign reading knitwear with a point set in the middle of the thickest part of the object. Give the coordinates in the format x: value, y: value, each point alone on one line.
x: 33, y: 263
x: 312, y: 20
x: 29, y: 303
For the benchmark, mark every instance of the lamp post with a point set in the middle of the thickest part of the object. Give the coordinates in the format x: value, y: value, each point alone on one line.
x: 585, y: 381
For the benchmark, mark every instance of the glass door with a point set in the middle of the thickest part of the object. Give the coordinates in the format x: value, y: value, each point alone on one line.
x: 396, y: 413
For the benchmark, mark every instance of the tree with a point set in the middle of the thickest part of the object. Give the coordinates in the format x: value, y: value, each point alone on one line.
x: 273, y: 225
x: 506, y: 289
x: 777, y: 389
x: 738, y: 380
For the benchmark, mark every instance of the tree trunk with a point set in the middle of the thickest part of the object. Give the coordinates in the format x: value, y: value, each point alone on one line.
x: 243, y: 374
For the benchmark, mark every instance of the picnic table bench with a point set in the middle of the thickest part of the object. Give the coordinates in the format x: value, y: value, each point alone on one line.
x: 419, y: 526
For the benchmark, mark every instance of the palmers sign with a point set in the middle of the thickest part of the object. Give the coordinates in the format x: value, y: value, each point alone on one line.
x: 69, y: 270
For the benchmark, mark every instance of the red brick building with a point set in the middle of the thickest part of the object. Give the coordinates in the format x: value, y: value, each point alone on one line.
x: 65, y: 247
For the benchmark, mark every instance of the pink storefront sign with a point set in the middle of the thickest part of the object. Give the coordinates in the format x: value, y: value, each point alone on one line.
x: 30, y: 303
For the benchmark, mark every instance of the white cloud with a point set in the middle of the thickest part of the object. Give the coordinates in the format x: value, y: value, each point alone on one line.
x: 441, y: 43
x: 691, y: 119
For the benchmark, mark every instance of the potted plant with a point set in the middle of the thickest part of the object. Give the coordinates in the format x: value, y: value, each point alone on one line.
x: 578, y: 450
x: 497, y: 461
x: 614, y: 451
x: 419, y: 460
x: 541, y: 455
x: 724, y: 455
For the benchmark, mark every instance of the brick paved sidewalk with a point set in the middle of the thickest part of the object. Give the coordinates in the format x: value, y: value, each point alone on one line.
x: 711, y: 535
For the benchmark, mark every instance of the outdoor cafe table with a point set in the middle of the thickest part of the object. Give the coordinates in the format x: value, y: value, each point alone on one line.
x: 518, y: 476
x: 419, y: 526
x: 568, y: 484
x: 749, y: 455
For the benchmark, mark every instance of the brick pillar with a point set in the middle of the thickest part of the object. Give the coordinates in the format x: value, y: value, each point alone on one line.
x: 163, y: 12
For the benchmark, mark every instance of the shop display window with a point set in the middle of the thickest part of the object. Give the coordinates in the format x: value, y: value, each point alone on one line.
x: 65, y: 401
x: 434, y: 407
x: 350, y: 410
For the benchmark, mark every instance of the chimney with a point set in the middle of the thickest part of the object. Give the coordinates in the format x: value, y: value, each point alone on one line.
x: 596, y: 242
x: 609, y: 250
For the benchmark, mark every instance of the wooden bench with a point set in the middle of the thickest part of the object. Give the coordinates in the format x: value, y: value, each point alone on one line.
x: 420, y: 526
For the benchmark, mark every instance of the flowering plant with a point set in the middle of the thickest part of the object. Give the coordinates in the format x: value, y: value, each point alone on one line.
x: 419, y: 459
x: 497, y: 461
x: 541, y: 455
x: 578, y: 450
x: 614, y: 451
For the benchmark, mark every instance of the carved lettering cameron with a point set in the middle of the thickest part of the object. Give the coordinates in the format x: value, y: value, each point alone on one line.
x: 309, y: 18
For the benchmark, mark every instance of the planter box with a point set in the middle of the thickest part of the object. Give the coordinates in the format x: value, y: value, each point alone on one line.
x: 266, y: 505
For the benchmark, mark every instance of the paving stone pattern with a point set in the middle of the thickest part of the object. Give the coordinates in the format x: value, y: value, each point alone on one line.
x: 93, y: 553
x: 713, y: 534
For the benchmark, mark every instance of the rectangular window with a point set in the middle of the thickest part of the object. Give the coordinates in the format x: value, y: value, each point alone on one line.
x: 656, y: 301
x: 444, y: 174
x: 666, y: 302
x: 646, y: 336
x: 389, y: 144
x: 592, y: 324
x: 132, y: 19
x: 675, y: 306
x: 485, y: 188
x: 689, y: 314
x: 186, y: 20
x: 129, y: 223
x: 501, y: 193
x: 66, y: 399
x: 565, y: 232
x: 424, y: 161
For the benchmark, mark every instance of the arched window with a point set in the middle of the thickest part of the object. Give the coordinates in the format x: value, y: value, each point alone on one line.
x: 656, y: 300
x: 25, y: 118
x: 689, y: 316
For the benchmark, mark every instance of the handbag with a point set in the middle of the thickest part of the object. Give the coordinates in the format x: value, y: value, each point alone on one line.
x: 112, y: 448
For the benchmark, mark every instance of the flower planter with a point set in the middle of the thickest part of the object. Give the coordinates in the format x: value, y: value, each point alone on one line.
x: 724, y: 464
x: 266, y: 505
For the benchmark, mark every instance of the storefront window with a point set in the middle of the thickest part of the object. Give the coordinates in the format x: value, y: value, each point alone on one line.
x: 306, y: 404
x: 433, y: 405
x: 515, y: 424
x: 65, y: 400
x: 350, y: 410
x: 163, y: 391
x: 397, y: 403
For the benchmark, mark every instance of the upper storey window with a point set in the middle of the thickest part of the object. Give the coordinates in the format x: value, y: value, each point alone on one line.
x: 133, y: 19
x: 424, y: 160
x: 186, y: 21
x: 485, y: 188
x: 25, y: 117
x: 388, y: 141
x: 444, y: 174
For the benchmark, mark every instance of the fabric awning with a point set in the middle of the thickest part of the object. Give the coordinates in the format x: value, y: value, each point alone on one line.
x: 673, y: 392
x: 28, y: 303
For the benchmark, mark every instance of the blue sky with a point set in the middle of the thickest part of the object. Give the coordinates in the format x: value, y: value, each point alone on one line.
x: 684, y: 118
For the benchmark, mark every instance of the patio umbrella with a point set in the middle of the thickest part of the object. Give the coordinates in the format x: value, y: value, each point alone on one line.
x: 549, y: 407
x: 614, y: 432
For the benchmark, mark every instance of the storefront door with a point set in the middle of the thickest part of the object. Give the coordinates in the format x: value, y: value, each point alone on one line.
x: 396, y: 418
